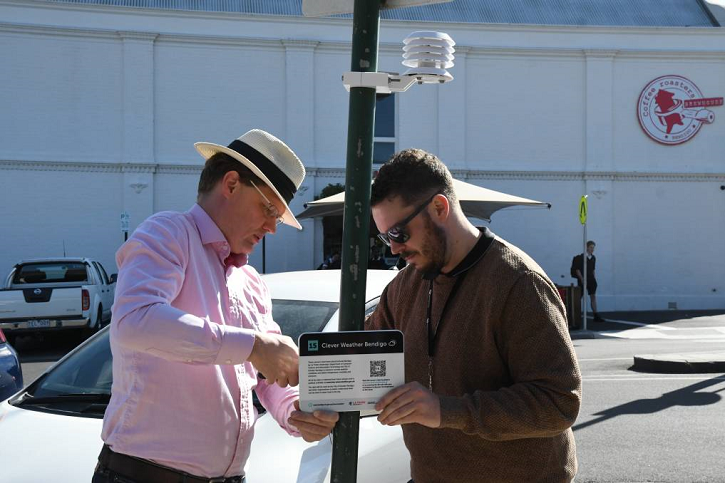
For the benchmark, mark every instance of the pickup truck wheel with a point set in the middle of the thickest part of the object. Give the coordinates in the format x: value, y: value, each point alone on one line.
x: 92, y: 329
x: 99, y: 319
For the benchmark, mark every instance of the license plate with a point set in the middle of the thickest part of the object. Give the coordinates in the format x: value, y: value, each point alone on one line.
x: 37, y: 324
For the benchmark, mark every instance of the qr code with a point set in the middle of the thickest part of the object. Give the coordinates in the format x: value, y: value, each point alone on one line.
x: 377, y: 369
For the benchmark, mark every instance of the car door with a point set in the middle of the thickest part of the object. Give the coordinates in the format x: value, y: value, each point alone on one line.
x: 111, y: 289
x: 106, y: 290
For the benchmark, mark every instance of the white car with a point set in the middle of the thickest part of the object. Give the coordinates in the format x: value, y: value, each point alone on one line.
x: 51, y: 430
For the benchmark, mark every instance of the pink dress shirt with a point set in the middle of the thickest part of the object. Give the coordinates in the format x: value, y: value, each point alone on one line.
x: 182, y: 328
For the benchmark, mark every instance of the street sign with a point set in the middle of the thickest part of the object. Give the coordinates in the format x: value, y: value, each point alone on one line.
x: 583, y: 209
x: 322, y: 8
x: 125, y: 218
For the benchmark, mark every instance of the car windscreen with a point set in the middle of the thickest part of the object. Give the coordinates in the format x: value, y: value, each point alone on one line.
x: 50, y: 273
x: 297, y: 316
x: 88, y: 371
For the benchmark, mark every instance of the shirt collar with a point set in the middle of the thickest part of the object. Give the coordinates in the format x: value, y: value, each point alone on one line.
x: 212, y: 235
x: 476, y: 253
x: 472, y: 258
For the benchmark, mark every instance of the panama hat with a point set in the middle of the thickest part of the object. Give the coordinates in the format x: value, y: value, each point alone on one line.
x: 268, y: 158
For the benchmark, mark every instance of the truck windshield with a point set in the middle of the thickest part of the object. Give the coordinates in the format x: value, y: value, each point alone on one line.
x: 50, y: 273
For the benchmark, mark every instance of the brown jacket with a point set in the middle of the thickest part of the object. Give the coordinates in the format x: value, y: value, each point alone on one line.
x: 504, y: 367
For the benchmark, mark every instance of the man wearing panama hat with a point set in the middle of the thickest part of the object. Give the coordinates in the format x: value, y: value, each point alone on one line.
x: 192, y: 327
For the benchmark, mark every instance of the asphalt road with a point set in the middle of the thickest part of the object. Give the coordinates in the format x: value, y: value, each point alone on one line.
x: 633, y: 427
x: 38, y: 353
x: 639, y: 427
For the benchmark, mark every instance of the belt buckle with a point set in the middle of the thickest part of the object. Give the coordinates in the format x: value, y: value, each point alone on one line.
x: 221, y: 479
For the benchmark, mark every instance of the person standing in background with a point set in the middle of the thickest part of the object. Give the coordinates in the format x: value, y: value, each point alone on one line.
x: 577, y: 271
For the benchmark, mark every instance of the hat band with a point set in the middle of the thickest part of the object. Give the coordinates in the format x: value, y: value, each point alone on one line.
x: 281, y: 181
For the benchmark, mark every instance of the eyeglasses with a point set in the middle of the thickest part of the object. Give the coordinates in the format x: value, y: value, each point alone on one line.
x: 397, y: 232
x: 270, y: 210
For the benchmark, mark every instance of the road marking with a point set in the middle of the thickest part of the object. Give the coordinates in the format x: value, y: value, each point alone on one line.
x: 682, y: 333
x: 608, y: 359
x: 656, y: 378
x: 640, y: 374
x: 638, y: 324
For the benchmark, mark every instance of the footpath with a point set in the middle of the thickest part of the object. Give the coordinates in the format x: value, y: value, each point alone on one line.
x: 710, y: 361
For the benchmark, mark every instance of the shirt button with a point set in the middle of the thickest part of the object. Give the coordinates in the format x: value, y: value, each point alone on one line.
x: 189, y: 360
x: 228, y: 361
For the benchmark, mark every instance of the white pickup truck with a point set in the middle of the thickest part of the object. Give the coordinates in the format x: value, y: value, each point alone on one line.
x: 56, y: 293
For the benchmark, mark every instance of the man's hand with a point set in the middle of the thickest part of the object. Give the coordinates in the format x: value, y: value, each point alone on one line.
x: 276, y: 357
x: 410, y: 403
x: 315, y: 425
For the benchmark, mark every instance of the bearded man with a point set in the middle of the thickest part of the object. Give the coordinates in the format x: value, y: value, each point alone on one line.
x: 492, y: 381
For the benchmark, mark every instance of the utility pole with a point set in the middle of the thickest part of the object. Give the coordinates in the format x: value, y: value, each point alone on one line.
x: 356, y: 217
x: 428, y: 55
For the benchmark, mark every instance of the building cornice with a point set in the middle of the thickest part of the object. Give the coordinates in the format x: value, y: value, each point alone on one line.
x: 326, y: 172
x: 300, y: 44
x: 471, y: 174
x: 138, y: 36
x: 588, y: 176
x: 600, y: 53
x: 336, y: 46
x: 11, y: 165
x: 52, y: 30
x: 341, y: 21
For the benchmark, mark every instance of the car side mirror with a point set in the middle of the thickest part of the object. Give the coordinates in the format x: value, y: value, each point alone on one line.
x: 114, y: 277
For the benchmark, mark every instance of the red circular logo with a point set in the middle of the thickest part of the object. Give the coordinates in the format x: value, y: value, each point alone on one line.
x: 671, y: 109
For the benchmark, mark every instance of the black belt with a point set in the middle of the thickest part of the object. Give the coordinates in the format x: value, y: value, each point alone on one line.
x: 146, y: 471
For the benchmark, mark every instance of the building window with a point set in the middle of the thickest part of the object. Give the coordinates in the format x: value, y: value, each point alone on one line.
x: 384, y: 141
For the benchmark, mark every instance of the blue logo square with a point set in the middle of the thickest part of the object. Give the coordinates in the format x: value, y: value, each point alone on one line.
x: 312, y: 345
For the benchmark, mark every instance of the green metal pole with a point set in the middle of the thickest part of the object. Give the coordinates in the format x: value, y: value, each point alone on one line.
x: 356, y: 218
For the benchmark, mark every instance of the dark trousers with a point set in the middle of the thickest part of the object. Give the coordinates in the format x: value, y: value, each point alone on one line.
x: 591, y: 287
x: 115, y: 467
x: 104, y: 475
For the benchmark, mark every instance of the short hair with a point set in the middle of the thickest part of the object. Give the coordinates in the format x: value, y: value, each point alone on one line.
x: 413, y: 174
x: 216, y: 167
x: 591, y: 243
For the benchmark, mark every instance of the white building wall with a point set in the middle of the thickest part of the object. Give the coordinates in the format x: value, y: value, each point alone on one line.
x: 51, y: 211
x: 61, y: 96
x: 101, y: 107
x: 331, y: 99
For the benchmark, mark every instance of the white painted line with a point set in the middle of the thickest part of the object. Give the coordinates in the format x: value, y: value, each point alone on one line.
x: 640, y: 324
x: 695, y: 353
x: 646, y: 333
x: 692, y: 328
x: 694, y: 378
x: 613, y: 375
x: 608, y: 359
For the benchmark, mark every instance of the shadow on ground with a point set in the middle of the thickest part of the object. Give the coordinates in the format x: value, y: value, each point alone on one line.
x: 686, y: 396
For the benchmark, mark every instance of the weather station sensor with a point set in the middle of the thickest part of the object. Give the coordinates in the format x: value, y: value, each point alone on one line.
x: 427, y: 55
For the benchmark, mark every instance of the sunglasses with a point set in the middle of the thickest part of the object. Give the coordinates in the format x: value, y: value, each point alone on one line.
x: 270, y: 210
x: 397, y: 233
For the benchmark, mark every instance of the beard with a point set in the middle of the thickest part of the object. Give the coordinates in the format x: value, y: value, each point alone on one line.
x: 433, y: 251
